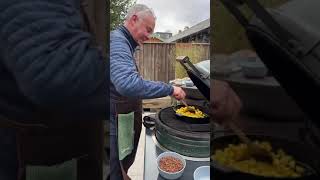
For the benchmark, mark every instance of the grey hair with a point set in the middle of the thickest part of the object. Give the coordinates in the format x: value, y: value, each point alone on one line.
x: 140, y: 10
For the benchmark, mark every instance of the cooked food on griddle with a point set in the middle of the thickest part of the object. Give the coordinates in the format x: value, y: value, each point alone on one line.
x: 237, y: 157
x: 184, y: 111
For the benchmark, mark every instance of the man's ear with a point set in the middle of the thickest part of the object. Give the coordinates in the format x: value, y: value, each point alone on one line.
x: 134, y: 18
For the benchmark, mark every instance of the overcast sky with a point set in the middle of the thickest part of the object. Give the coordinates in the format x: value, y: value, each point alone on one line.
x: 174, y: 15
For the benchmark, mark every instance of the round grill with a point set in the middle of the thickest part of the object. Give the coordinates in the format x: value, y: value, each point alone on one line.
x: 167, y: 116
x: 182, y: 137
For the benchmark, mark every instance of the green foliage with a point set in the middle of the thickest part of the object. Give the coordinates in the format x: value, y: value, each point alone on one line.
x: 118, y: 10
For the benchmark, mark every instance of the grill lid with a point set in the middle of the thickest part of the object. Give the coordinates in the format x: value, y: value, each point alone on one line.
x: 287, y: 40
x: 197, y: 75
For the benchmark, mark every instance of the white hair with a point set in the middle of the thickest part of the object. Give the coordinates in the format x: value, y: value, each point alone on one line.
x: 140, y: 10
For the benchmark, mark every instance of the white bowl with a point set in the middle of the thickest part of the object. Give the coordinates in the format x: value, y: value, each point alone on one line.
x: 168, y: 175
x: 202, y: 173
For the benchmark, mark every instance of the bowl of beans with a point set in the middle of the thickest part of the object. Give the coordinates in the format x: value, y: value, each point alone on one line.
x: 171, y: 165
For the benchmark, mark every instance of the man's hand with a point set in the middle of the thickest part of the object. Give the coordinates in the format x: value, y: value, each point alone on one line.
x: 225, y: 102
x: 178, y: 93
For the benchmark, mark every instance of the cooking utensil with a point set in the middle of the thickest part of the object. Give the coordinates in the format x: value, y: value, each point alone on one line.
x: 254, y: 150
x: 190, y: 109
x: 203, y: 120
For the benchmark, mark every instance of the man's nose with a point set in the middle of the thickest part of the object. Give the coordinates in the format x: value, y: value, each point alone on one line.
x: 147, y: 37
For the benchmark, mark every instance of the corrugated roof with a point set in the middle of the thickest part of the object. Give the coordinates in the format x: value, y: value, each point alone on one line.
x: 194, y: 29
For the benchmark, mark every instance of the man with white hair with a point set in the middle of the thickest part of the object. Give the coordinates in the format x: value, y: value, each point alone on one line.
x: 128, y: 88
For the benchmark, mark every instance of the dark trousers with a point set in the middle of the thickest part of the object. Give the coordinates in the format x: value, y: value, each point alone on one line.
x: 8, y: 155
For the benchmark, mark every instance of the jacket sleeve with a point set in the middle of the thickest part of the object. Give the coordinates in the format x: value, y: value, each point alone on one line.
x: 127, y: 80
x: 48, y: 53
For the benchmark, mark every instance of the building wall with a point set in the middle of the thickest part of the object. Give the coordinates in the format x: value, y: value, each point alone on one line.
x: 163, y: 35
x: 199, y: 37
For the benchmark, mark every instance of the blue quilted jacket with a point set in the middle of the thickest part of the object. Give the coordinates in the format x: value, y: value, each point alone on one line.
x: 47, y: 62
x: 125, y: 78
x: 47, y: 65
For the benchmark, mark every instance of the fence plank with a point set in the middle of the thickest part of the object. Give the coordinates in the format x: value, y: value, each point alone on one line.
x: 156, y: 61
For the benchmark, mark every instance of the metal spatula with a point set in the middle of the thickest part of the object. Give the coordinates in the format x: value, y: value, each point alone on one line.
x: 190, y: 109
x: 254, y: 150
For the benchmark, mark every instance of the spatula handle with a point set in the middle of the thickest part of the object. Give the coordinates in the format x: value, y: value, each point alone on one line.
x: 184, y: 102
x: 239, y: 132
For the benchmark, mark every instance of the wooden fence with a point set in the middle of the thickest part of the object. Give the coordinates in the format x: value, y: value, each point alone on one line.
x: 157, y: 61
x: 195, y: 51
